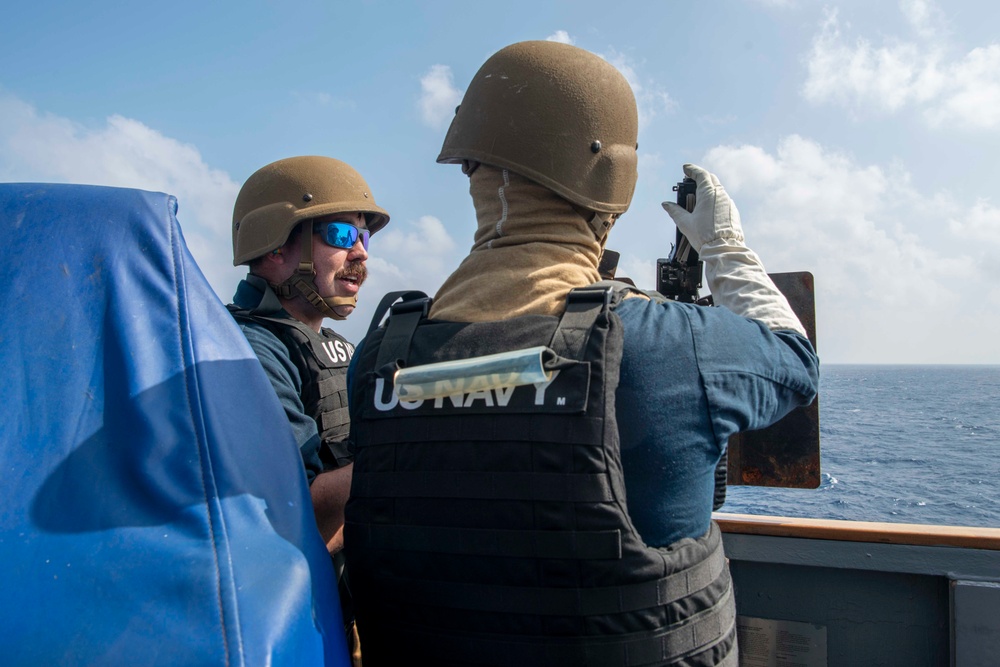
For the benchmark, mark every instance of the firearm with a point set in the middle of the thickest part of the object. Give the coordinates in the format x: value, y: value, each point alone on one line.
x: 679, y: 277
x: 787, y: 452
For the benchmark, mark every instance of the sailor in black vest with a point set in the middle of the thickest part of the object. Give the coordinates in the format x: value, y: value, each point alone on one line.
x: 302, y: 224
x: 535, y: 449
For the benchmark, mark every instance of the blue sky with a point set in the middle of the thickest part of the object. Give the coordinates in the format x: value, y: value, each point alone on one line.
x: 860, y: 140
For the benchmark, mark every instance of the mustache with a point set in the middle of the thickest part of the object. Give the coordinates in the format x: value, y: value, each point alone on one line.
x: 356, y: 270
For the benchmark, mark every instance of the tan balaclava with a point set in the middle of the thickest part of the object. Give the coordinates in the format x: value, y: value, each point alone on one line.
x: 531, y: 248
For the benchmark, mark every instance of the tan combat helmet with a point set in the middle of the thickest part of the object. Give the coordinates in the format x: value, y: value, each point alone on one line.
x: 279, y: 196
x: 556, y: 114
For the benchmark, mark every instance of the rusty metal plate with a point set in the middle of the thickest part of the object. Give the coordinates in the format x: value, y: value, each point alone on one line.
x: 785, y: 454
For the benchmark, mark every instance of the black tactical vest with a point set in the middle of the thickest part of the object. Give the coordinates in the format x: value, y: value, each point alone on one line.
x: 489, y: 526
x: 322, y: 360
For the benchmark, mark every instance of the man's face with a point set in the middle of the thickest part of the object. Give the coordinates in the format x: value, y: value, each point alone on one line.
x: 339, y: 271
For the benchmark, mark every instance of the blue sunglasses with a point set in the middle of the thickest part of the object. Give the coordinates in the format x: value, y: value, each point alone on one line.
x: 341, y: 234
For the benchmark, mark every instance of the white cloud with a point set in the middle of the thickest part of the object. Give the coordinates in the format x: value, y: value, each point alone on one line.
x: 888, y: 288
x: 980, y: 225
x: 651, y: 99
x: 973, y: 98
x: 424, y: 247
x: 560, y: 36
x: 439, y: 97
x: 416, y: 255
x: 36, y: 146
x: 123, y: 152
x: 886, y: 78
x: 963, y: 91
x: 922, y: 15
x: 641, y: 270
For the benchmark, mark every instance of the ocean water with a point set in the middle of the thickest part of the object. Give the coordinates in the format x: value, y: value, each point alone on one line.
x: 903, y: 444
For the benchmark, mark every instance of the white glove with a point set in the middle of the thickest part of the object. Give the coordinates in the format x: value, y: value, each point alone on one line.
x: 735, y: 275
x: 714, y: 216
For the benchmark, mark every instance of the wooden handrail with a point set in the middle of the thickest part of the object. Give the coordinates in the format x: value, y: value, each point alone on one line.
x: 967, y: 537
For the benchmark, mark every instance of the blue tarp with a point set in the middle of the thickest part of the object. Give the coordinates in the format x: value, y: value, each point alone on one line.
x: 154, y: 508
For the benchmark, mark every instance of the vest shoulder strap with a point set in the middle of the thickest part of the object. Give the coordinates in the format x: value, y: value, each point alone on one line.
x: 283, y: 323
x: 403, y: 321
x: 583, y: 306
x: 389, y: 300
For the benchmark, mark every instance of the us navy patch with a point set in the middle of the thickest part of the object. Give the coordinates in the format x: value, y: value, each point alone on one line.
x: 565, y: 392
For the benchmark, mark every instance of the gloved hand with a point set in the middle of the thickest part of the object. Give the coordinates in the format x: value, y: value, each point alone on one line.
x: 735, y: 275
x: 714, y: 216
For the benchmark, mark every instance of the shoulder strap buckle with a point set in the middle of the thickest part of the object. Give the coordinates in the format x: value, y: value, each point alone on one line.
x: 596, y: 293
x: 583, y: 306
x: 388, y: 301
x: 421, y: 304
x: 402, y: 323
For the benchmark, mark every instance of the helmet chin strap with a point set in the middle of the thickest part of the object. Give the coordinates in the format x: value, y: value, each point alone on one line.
x: 601, y: 224
x: 303, y: 282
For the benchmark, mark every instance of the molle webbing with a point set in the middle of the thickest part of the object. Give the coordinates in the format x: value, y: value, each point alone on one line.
x: 334, y: 418
x: 464, y: 428
x: 543, y: 487
x: 577, y: 321
x: 561, y: 601
x: 321, y: 360
x: 657, y: 647
x: 565, y: 544
x: 403, y: 323
x: 489, y: 532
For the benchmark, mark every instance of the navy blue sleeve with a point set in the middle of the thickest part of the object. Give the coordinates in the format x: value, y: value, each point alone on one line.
x: 752, y: 376
x: 284, y: 377
x: 692, y: 376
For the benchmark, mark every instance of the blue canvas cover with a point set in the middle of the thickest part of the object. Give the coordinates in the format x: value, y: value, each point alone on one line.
x: 154, y: 508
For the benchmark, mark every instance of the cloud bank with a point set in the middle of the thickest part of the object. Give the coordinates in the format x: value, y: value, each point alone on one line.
x: 888, y: 290
x: 561, y: 36
x: 38, y: 146
x: 919, y: 72
x: 123, y: 152
x: 412, y: 255
x: 438, y: 97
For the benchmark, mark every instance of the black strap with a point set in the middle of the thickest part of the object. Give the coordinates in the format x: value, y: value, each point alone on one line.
x: 570, y: 430
x: 287, y: 322
x: 657, y: 647
x: 554, y: 544
x: 403, y: 321
x: 557, y: 601
x: 387, y: 301
x: 583, y: 305
x: 534, y: 486
x: 335, y: 417
x: 329, y: 385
